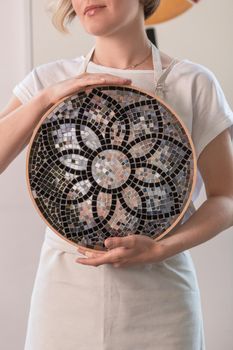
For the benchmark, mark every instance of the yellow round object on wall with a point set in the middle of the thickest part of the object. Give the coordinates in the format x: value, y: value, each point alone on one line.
x: 169, y: 9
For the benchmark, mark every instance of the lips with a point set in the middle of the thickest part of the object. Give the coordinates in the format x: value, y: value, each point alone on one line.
x: 92, y: 7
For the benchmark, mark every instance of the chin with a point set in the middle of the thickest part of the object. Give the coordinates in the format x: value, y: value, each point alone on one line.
x: 97, y: 31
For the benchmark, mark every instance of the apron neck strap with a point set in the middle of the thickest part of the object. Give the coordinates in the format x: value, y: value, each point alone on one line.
x: 159, y: 75
x: 87, y: 59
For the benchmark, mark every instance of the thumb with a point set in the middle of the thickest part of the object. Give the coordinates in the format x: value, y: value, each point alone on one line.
x: 114, y: 242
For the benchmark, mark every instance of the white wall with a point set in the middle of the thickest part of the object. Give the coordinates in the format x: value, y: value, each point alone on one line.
x: 202, y: 35
x: 18, y: 252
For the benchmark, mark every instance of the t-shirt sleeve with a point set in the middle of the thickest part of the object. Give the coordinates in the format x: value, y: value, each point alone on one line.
x: 28, y: 87
x: 211, y: 111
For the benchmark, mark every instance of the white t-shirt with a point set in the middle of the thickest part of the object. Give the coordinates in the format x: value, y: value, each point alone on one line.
x: 191, y: 90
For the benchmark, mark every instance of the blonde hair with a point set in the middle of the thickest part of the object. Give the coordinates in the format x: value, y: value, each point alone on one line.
x: 63, y: 12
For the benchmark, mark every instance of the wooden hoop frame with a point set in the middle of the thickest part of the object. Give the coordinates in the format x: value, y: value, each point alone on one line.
x: 89, y: 88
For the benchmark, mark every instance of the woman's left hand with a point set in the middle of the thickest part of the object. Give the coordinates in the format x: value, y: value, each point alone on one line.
x: 124, y: 251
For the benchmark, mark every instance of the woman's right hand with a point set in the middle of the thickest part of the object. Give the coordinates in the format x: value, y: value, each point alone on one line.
x: 66, y: 87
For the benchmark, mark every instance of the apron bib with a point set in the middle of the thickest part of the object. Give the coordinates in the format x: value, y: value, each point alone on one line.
x: 148, y: 306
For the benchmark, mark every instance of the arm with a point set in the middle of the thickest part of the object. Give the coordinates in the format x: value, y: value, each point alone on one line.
x: 17, y: 126
x: 216, y: 213
x: 212, y: 217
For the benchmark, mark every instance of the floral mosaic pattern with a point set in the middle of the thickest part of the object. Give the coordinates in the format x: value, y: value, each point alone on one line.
x: 110, y: 161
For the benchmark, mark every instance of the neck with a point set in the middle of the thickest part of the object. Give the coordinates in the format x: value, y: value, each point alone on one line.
x: 122, y: 50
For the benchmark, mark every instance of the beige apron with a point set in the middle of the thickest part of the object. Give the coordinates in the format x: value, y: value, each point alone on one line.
x: 153, y: 306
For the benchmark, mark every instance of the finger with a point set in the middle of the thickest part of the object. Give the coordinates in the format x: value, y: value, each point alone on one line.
x: 89, y: 253
x: 94, y: 261
x: 104, y: 81
x: 134, y: 260
x: 87, y: 256
x: 93, y: 77
x: 109, y: 257
x: 126, y: 241
x: 100, y: 75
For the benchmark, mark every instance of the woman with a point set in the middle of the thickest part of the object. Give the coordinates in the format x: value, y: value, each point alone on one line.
x: 141, y: 294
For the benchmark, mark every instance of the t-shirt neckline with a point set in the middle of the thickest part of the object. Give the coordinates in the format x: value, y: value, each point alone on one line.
x: 113, y: 69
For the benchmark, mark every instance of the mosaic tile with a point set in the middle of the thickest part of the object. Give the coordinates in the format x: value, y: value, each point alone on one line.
x: 110, y: 161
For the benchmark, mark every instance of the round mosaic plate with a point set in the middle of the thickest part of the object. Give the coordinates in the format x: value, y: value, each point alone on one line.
x: 110, y: 161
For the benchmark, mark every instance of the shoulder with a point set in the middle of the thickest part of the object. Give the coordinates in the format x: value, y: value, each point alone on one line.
x: 195, y: 73
x: 192, y: 80
x: 46, y: 74
x: 58, y: 69
x: 60, y: 63
x: 185, y: 67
